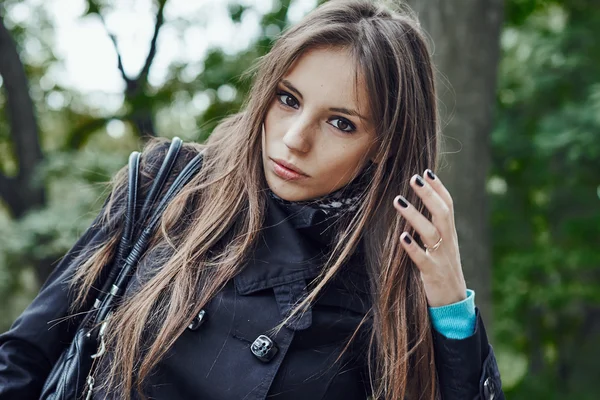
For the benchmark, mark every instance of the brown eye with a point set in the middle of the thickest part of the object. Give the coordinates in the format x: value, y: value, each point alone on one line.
x: 287, y: 99
x: 343, y: 125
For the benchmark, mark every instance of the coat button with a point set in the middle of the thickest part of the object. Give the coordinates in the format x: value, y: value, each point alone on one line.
x: 264, y: 348
x: 197, y: 321
x: 489, y: 389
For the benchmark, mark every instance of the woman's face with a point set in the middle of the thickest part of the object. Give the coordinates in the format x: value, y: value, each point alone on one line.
x: 319, y: 123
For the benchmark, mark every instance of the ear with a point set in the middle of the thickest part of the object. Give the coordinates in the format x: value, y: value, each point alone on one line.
x: 375, y: 156
x: 375, y: 160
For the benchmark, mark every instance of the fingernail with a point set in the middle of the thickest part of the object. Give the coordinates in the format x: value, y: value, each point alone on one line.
x: 407, y: 239
x: 402, y: 202
x: 430, y: 174
x: 420, y: 181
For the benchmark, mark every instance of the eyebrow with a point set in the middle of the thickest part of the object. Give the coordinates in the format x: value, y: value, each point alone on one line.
x: 342, y: 110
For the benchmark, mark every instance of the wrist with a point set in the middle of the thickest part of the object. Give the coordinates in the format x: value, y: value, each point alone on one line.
x: 445, y: 298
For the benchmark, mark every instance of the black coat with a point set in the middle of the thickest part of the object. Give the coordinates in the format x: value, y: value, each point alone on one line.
x: 226, y: 355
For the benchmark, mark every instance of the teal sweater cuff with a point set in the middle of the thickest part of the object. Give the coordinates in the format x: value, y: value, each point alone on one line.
x: 455, y: 321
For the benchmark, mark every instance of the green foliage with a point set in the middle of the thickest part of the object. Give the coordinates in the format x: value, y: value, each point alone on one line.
x: 546, y: 214
x: 78, y: 184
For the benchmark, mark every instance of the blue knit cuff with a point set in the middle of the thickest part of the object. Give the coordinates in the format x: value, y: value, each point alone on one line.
x: 455, y: 321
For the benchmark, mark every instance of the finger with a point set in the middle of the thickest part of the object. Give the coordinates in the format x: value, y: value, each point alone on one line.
x: 428, y: 232
x: 439, y: 187
x: 443, y: 218
x: 416, y: 253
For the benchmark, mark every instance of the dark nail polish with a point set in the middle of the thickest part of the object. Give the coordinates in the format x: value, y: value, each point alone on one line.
x: 402, y: 202
x: 407, y: 239
x: 420, y: 181
x: 430, y: 174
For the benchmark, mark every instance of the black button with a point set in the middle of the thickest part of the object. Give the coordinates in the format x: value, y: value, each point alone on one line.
x: 197, y: 321
x: 264, y: 348
x: 489, y: 389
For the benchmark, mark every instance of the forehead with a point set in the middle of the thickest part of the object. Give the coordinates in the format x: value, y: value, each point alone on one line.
x: 329, y: 76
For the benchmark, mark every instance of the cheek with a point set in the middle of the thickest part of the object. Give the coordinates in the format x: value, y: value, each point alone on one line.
x: 342, y: 163
x: 271, y: 125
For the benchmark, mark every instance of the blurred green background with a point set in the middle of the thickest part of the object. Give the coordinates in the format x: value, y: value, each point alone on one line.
x: 84, y: 82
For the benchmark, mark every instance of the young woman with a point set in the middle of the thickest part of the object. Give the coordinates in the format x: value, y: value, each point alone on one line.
x: 314, y: 256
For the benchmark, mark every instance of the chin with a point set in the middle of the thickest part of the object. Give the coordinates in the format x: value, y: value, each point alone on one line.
x: 288, y: 190
x: 288, y: 194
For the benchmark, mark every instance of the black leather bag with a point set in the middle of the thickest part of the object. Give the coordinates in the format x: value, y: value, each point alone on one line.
x: 71, y: 376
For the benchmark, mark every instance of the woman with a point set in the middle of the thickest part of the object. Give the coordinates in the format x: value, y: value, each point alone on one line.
x: 306, y: 260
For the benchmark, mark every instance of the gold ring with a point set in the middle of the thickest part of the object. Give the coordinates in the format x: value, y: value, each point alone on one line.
x: 434, y: 247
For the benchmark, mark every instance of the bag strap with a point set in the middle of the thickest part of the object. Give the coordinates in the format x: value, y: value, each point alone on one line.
x: 128, y: 268
x: 161, y: 177
x: 132, y: 193
x: 129, y: 221
x: 131, y: 212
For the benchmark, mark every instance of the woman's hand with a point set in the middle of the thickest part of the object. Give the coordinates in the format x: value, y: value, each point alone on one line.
x: 439, y: 262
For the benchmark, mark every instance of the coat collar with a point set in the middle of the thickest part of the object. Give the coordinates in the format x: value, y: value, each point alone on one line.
x: 291, y: 248
x: 291, y: 251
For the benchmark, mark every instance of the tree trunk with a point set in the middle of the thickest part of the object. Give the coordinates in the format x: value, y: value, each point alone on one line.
x: 466, y: 38
x: 20, y: 193
x: 23, y: 192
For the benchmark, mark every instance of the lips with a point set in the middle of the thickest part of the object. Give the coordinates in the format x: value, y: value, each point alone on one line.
x: 289, y: 166
x: 286, y: 171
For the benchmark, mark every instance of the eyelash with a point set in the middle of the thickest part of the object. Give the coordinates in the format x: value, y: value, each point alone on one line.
x: 350, y: 124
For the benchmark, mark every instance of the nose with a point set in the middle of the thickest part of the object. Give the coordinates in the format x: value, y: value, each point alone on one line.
x: 298, y: 136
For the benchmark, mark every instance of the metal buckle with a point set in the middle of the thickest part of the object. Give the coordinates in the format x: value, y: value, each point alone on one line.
x: 102, y: 347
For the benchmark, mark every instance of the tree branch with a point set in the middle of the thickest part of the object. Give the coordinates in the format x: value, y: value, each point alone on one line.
x: 113, y: 39
x: 128, y: 81
x: 141, y: 118
x: 134, y: 84
x: 160, y: 19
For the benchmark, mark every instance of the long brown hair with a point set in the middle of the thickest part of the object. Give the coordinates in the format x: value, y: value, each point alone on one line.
x: 195, y: 262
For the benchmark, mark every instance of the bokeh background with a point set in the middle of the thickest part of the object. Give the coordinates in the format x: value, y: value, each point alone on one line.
x: 85, y: 82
